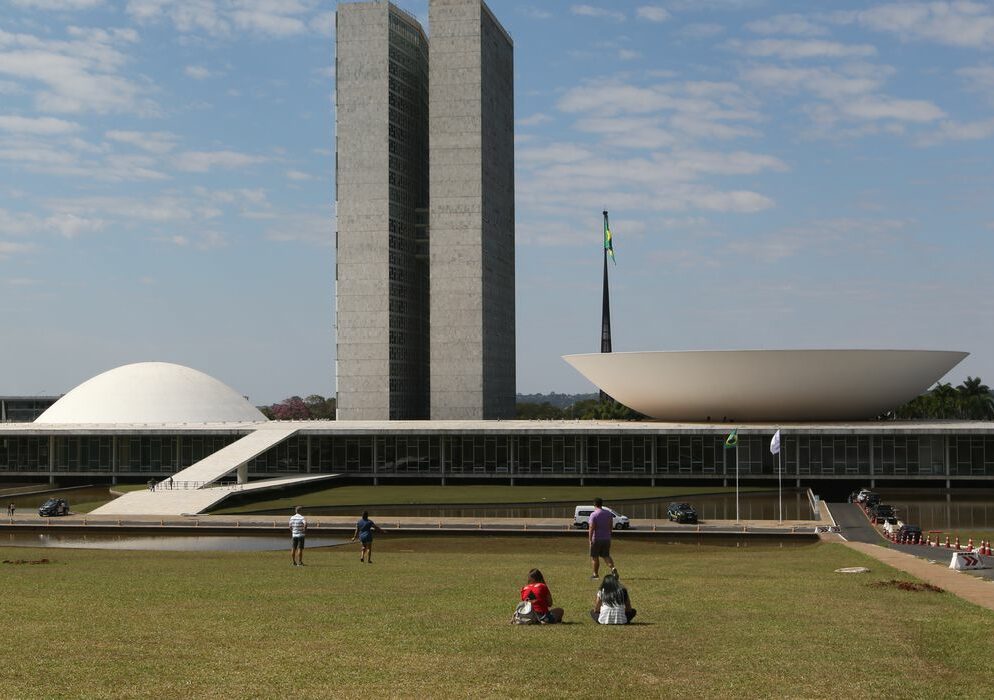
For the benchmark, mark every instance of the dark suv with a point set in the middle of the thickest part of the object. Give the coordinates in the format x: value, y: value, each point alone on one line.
x: 54, y: 506
x: 681, y: 513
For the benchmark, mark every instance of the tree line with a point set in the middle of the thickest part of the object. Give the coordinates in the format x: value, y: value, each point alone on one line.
x: 314, y: 407
x: 971, y: 400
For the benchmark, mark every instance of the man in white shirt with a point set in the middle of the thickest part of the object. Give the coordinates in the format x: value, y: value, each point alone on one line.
x: 298, y: 528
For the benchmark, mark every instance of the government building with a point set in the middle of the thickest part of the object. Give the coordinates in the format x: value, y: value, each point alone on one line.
x: 424, y: 274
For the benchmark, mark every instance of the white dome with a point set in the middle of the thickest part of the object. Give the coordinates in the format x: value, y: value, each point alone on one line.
x: 152, y: 392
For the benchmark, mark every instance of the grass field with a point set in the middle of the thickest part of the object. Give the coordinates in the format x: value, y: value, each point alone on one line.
x: 360, y: 496
x: 429, y: 619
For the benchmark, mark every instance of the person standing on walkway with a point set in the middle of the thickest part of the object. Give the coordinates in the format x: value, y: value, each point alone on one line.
x: 364, y: 529
x: 10, y: 510
x: 599, y: 527
x: 298, y: 529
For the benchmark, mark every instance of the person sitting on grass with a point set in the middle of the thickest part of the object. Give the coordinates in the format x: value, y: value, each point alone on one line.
x: 612, y: 606
x: 364, y: 529
x: 540, y: 596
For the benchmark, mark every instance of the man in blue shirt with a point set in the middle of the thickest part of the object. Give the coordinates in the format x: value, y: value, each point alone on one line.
x: 599, y: 527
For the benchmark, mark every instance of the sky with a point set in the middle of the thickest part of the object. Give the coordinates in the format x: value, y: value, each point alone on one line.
x: 778, y: 175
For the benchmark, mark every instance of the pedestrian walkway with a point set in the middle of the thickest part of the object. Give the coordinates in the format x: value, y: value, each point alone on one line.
x: 976, y: 590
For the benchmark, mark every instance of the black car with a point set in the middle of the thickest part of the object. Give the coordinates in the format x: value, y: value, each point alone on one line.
x: 53, y: 507
x: 871, y: 500
x: 681, y: 513
x: 911, y: 533
x: 881, y: 512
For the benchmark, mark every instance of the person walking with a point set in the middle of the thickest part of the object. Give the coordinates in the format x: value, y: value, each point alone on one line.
x: 298, y: 529
x: 364, y: 529
x: 10, y: 510
x: 599, y: 527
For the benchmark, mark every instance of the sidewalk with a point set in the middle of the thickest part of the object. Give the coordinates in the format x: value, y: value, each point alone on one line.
x: 975, y: 590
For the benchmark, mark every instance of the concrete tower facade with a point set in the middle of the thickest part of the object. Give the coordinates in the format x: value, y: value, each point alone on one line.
x: 471, y: 132
x: 381, y: 273
x: 424, y: 329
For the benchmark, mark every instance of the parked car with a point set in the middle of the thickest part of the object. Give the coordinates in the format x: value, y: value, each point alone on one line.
x: 681, y: 513
x: 581, y: 518
x: 53, y: 507
x: 871, y: 500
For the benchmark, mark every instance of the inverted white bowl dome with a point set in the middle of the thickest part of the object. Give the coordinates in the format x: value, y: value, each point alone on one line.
x: 152, y: 392
x: 745, y: 385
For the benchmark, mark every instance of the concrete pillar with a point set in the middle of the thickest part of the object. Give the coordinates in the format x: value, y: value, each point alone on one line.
x: 444, y: 442
x: 51, y: 459
x: 243, y: 473
x: 309, y: 454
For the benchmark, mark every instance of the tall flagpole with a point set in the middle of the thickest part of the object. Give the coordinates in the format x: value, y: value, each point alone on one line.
x: 737, y: 480
x: 780, y: 472
x: 605, y: 308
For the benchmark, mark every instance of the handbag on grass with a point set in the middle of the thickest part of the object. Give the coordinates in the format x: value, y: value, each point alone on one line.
x: 524, y: 614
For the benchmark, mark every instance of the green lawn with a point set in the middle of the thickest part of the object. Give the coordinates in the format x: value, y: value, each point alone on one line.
x: 429, y: 619
x: 361, y: 496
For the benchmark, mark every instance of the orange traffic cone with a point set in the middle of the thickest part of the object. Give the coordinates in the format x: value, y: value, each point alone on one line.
x: 947, y: 541
x: 957, y: 543
x: 969, y: 545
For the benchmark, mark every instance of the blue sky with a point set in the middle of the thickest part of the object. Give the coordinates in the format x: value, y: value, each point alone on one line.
x: 779, y: 175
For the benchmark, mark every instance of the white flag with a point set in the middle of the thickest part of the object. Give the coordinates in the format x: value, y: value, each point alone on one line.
x: 775, y: 443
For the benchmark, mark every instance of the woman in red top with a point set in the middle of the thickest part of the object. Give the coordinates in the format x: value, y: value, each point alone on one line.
x: 541, y: 598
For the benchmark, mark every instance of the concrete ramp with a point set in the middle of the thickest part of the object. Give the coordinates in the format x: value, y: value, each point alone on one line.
x: 193, y: 489
x: 230, y: 458
x: 193, y: 501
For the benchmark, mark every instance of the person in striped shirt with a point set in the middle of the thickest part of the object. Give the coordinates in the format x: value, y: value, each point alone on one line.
x: 298, y: 529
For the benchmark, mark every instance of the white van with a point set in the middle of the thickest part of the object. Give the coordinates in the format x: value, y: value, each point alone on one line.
x: 581, y: 517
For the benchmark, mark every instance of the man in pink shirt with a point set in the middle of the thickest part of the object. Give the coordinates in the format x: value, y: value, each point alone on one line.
x: 599, y: 527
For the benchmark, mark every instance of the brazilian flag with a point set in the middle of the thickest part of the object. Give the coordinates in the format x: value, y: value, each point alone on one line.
x: 608, y: 242
x: 733, y: 439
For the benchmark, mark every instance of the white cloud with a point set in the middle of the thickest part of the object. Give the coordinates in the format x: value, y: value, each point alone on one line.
x: 197, y: 72
x: 269, y: 18
x: 959, y: 131
x: 82, y: 74
x: 959, y: 23
x: 535, y: 12
x: 652, y: 13
x: 316, y: 228
x: 151, y: 141
x: 59, y: 5
x: 597, y: 12
x: 628, y: 54
x: 37, y: 125
x: 533, y: 120
x: 979, y: 78
x: 298, y: 176
x: 553, y: 153
x: 796, y: 49
x: 882, y: 107
x: 702, y: 30
x: 204, y: 161
x: 790, y: 24
x: 843, y: 237
x: 8, y: 248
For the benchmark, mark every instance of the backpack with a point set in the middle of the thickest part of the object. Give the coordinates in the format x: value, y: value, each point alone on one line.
x: 524, y: 614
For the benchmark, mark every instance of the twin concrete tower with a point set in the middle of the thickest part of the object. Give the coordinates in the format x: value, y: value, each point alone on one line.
x: 424, y: 271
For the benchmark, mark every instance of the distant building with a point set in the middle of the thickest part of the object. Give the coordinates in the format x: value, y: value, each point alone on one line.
x: 24, y: 409
x: 425, y: 196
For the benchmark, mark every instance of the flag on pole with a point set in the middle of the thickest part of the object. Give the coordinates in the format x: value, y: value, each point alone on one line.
x: 608, y: 242
x: 733, y: 439
x: 775, y: 443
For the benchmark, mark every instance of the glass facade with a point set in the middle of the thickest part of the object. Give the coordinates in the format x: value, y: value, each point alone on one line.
x: 595, y: 454
x: 408, y: 260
